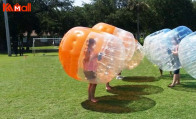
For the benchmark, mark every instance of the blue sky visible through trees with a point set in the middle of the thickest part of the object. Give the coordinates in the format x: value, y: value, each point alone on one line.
x: 79, y: 2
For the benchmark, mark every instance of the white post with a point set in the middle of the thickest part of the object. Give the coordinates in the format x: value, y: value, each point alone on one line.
x: 33, y: 50
x: 7, y: 31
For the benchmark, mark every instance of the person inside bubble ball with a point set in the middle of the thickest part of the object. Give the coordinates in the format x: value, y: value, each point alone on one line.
x: 90, y: 66
x: 176, y: 76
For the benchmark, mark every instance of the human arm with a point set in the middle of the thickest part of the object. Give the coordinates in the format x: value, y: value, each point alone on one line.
x: 175, y: 52
x: 100, y: 56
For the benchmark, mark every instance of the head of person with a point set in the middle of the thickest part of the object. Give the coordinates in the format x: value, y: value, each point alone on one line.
x: 91, y: 43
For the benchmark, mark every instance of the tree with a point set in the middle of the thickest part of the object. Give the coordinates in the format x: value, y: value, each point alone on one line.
x: 50, y: 14
x: 194, y: 16
x: 173, y: 13
x: 99, y: 10
x: 44, y: 17
x: 137, y: 6
x: 2, y: 29
x: 123, y: 19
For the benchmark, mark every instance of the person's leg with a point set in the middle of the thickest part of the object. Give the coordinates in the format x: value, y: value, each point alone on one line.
x: 161, y: 71
x: 89, y: 91
x: 93, y: 93
x: 108, y: 87
x: 170, y: 73
x: 176, y: 77
x: 119, y: 76
x: 173, y: 81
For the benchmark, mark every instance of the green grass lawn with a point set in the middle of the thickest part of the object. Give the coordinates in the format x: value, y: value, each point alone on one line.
x: 37, y: 87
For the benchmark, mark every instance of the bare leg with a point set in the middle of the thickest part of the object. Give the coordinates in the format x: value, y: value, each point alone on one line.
x: 161, y: 71
x: 89, y: 91
x: 119, y: 73
x: 174, y: 80
x: 177, y: 79
x: 170, y: 73
x: 119, y: 76
x: 108, y: 87
x: 93, y: 93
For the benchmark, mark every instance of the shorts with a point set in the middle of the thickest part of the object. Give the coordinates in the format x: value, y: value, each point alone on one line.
x: 90, y: 75
x: 177, y: 71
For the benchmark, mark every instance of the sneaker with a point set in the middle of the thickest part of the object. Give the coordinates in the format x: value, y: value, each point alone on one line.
x: 119, y: 77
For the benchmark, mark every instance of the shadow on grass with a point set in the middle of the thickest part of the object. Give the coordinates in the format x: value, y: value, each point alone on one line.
x: 136, y: 90
x: 119, y: 104
x: 166, y: 76
x: 140, y: 79
x: 186, y: 77
x: 186, y: 86
x: 182, y: 77
x: 126, y: 100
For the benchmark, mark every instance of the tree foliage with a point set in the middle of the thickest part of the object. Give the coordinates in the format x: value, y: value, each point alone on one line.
x: 56, y: 17
x: 172, y: 13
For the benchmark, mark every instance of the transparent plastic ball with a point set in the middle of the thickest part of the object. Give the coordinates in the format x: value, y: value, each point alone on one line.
x: 162, y: 45
x: 137, y: 56
x: 90, y: 56
x: 109, y: 54
x: 127, y: 38
x: 150, y: 44
x: 130, y: 45
x: 187, y: 54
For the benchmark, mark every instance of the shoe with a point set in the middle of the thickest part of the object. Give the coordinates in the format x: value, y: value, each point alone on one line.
x: 119, y: 77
